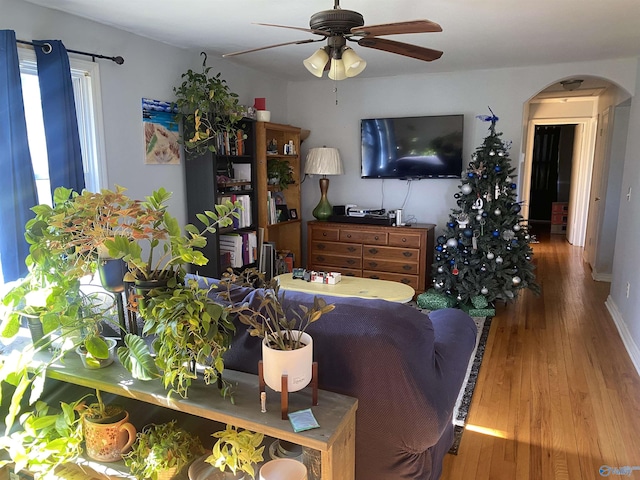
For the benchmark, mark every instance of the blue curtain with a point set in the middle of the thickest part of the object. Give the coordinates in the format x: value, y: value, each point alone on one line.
x: 59, y: 113
x: 17, y: 181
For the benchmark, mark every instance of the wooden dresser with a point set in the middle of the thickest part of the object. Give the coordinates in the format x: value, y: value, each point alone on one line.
x: 401, y: 254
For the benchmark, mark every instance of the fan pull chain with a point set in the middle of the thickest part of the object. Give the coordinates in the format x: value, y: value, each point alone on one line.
x: 335, y: 90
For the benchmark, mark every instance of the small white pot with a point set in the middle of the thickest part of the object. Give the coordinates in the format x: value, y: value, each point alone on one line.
x: 263, y: 115
x: 297, y: 364
x: 283, y: 469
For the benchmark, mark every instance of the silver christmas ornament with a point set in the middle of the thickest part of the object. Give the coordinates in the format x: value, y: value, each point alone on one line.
x: 497, y: 212
x: 484, y: 290
x: 516, y: 227
x: 516, y: 280
x: 490, y: 255
x: 452, y: 242
x: 466, y: 189
x: 499, y: 259
x: 440, y: 270
x: 479, y: 217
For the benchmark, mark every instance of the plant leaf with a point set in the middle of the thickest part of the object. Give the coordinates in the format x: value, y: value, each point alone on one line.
x: 136, y: 357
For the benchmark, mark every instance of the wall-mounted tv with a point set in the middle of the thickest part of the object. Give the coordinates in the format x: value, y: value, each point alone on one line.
x: 412, y: 147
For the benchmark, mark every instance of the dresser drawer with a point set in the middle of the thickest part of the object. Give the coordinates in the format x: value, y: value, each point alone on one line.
x: 405, y: 239
x: 364, y: 236
x: 347, y: 272
x: 336, y: 260
x: 411, y: 280
x: 325, y: 234
x: 319, y: 247
x: 390, y: 266
x: 391, y: 253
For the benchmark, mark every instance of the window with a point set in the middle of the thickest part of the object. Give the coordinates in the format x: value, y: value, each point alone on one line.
x: 86, y: 88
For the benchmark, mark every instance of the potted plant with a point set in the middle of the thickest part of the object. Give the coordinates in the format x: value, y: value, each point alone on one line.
x: 236, y: 452
x: 286, y: 347
x: 107, y: 432
x: 206, y: 108
x: 161, y: 451
x: 48, y: 438
x: 191, y: 329
x: 280, y: 172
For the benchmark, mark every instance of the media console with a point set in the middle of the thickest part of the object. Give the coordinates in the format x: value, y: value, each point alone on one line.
x: 401, y: 254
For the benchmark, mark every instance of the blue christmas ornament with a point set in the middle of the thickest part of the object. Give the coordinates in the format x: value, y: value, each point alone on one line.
x: 452, y: 261
x: 514, y: 186
x: 470, y: 175
x: 497, y: 168
x: 451, y: 225
x: 468, y: 232
x: 442, y: 239
x: 495, y: 233
x: 439, y: 248
x: 516, y: 207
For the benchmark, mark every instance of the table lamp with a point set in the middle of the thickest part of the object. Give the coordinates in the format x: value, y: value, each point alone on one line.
x: 323, y: 161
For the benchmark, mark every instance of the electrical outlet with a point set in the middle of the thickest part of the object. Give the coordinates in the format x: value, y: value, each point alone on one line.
x: 628, y: 288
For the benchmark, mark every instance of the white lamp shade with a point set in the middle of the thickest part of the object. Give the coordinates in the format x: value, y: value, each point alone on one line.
x: 353, y: 64
x: 323, y: 161
x: 336, y: 72
x: 316, y: 62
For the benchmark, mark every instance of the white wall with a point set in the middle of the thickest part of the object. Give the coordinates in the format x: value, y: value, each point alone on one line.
x: 151, y: 69
x: 312, y: 105
x: 626, y: 311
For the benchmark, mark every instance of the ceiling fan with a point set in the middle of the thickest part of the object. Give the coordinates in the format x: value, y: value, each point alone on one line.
x: 337, y: 26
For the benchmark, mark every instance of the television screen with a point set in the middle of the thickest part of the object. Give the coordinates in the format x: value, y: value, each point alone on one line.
x: 412, y: 147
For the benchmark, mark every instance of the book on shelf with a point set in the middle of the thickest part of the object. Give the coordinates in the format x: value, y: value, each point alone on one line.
x: 245, y: 220
x: 231, y: 143
x: 238, y: 249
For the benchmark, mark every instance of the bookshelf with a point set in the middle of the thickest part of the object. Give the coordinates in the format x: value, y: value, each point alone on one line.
x: 228, y: 174
x: 274, y: 204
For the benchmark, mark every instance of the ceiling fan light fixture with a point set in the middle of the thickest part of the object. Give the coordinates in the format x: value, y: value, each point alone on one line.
x: 353, y: 63
x: 336, y: 72
x: 316, y: 62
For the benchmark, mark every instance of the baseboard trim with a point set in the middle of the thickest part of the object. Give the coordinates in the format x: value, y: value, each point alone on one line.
x: 625, y: 335
x: 601, y: 277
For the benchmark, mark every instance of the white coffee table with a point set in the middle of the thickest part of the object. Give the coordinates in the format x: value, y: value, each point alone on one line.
x: 351, y: 287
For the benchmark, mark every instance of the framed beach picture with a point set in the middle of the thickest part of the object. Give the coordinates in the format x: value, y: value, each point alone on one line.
x: 161, y: 133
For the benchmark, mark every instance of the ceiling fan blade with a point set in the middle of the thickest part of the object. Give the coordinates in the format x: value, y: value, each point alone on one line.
x: 412, y: 26
x: 302, y: 29
x: 413, y: 51
x: 298, y: 42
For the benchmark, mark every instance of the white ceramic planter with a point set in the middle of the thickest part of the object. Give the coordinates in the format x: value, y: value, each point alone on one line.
x: 297, y: 364
x: 283, y: 469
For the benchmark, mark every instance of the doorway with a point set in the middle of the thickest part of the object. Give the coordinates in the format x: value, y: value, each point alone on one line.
x: 551, y: 175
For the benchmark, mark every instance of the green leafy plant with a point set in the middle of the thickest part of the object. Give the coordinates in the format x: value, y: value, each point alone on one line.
x: 206, y: 107
x: 161, y: 447
x: 48, y: 438
x: 282, y: 328
x: 155, y: 247
x: 236, y: 450
x: 280, y: 170
x: 190, y: 329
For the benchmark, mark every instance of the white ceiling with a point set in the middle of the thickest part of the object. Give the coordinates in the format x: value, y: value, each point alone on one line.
x: 477, y: 34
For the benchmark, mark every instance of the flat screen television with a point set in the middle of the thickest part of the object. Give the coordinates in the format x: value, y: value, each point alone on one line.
x: 412, y: 147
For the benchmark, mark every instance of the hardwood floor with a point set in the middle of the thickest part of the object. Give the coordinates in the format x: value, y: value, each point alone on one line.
x: 557, y: 395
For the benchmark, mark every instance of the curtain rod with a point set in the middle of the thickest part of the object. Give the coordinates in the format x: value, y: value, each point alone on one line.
x: 47, y: 48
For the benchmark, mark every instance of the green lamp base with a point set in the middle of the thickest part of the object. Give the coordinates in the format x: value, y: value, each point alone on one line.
x: 324, y: 209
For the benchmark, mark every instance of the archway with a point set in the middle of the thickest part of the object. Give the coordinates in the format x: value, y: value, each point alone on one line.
x: 591, y: 108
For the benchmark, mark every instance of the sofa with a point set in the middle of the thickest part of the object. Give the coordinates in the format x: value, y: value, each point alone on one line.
x: 404, y: 367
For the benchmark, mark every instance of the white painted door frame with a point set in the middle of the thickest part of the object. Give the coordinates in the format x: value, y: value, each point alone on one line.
x: 581, y: 171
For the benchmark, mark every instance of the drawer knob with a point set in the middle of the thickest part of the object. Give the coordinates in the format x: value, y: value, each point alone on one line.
x: 373, y: 251
x: 348, y: 235
x: 406, y: 267
x: 351, y: 261
x: 404, y: 239
x: 406, y: 281
x: 351, y: 249
x: 321, y: 246
x: 320, y: 258
x: 373, y: 264
x: 377, y: 237
x: 407, y: 254
x: 324, y: 234
x: 375, y: 277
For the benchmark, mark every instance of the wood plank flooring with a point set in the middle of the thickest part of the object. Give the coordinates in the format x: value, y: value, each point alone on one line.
x: 557, y: 395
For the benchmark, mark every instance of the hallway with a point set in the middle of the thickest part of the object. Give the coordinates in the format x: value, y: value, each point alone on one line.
x: 557, y: 395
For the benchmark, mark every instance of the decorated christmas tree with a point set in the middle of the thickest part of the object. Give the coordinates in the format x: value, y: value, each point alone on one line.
x: 484, y: 253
